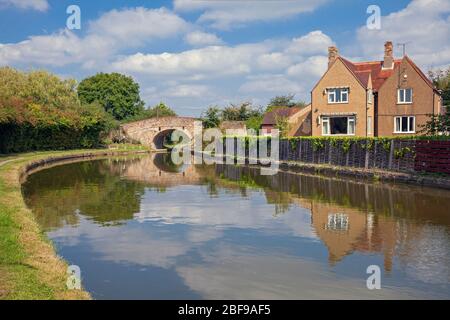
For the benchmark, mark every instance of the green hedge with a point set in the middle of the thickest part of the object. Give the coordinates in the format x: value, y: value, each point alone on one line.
x: 20, y: 138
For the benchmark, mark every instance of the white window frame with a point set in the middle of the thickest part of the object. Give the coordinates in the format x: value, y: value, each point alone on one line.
x: 349, y: 120
x: 399, y: 129
x: 326, y: 122
x: 399, y: 101
x: 326, y: 119
x: 332, y: 93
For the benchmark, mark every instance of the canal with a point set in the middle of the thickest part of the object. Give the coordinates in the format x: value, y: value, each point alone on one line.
x: 144, y: 228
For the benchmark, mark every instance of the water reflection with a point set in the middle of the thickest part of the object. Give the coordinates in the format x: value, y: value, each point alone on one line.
x: 146, y: 228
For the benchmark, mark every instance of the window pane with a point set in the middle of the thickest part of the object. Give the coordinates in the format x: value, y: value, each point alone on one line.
x: 351, y: 125
x: 397, y: 124
x: 338, y: 125
x: 401, y: 97
x: 408, y: 93
x: 325, y: 126
x: 338, y: 95
x: 331, y: 95
x: 411, y: 124
x: 344, y: 96
x: 369, y: 125
x: 404, y: 124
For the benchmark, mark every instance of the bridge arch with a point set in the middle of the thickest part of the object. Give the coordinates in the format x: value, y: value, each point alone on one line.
x: 154, y: 132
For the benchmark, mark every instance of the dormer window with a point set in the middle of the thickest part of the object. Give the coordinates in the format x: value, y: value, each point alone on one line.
x: 337, y: 95
x: 404, y: 96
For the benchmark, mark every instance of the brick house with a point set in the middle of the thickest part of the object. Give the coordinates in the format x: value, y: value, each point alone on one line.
x: 377, y: 98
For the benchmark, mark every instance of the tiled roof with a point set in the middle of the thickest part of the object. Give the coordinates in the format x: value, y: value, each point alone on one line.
x: 233, y: 125
x: 285, y: 112
x: 374, y: 68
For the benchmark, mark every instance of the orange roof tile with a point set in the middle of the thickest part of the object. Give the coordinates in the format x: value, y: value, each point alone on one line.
x: 374, y: 68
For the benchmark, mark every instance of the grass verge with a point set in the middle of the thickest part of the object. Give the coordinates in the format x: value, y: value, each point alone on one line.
x: 29, y: 266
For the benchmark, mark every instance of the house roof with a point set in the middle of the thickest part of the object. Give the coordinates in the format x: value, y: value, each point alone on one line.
x: 284, y: 112
x: 233, y: 125
x: 362, y: 70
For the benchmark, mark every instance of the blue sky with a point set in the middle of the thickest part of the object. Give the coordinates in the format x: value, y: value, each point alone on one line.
x: 193, y: 53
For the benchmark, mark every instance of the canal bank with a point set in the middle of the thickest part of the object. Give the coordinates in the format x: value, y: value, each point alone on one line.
x: 29, y: 266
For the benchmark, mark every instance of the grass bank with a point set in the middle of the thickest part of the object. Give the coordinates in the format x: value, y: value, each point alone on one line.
x: 29, y: 266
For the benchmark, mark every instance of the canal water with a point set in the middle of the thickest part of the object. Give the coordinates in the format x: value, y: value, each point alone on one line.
x: 144, y: 228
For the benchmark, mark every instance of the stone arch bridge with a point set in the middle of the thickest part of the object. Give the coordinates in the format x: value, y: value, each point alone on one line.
x: 153, y: 132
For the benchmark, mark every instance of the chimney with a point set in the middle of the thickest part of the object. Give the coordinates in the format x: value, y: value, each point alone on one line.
x: 333, y: 54
x: 388, y: 62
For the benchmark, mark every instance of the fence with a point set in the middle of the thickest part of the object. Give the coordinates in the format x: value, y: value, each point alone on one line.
x: 393, y: 154
x: 388, y: 154
x: 433, y: 156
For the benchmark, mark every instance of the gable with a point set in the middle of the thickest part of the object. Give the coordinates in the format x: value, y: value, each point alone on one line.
x: 411, y: 67
x: 339, y: 74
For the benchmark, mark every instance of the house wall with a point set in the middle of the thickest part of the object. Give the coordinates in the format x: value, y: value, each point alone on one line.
x: 421, y: 106
x: 339, y: 75
x: 300, y: 123
x: 268, y: 127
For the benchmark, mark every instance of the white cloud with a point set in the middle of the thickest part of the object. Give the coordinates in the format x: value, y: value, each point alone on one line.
x: 223, y: 74
x: 200, y: 39
x: 187, y: 91
x: 211, y: 73
x: 230, y: 14
x: 273, y: 84
x: 138, y: 24
x: 424, y: 25
x: 201, y: 63
x: 312, y: 68
x: 315, y: 42
x: 106, y: 36
x: 39, y: 5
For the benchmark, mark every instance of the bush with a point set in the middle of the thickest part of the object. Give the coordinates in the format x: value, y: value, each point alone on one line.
x: 39, y: 111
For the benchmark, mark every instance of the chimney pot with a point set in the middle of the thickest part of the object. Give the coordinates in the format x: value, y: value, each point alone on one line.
x: 388, y: 62
x: 333, y: 54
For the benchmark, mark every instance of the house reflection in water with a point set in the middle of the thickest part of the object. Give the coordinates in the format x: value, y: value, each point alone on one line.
x: 344, y: 230
x: 351, y: 216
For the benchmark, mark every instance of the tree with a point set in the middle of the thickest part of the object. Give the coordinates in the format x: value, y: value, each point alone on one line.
x: 40, y: 111
x: 283, y: 125
x: 160, y: 110
x: 211, y: 117
x: 284, y: 101
x: 117, y: 93
x: 441, y: 79
x: 437, y: 125
x: 255, y: 122
x: 241, y: 112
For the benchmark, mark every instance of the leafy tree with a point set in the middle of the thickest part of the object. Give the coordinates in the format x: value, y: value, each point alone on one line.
x: 437, y: 125
x: 40, y: 111
x: 282, y: 124
x: 241, y: 112
x: 160, y: 110
x: 441, y: 79
x: 284, y: 101
x: 117, y: 93
x: 211, y: 117
x: 255, y: 122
